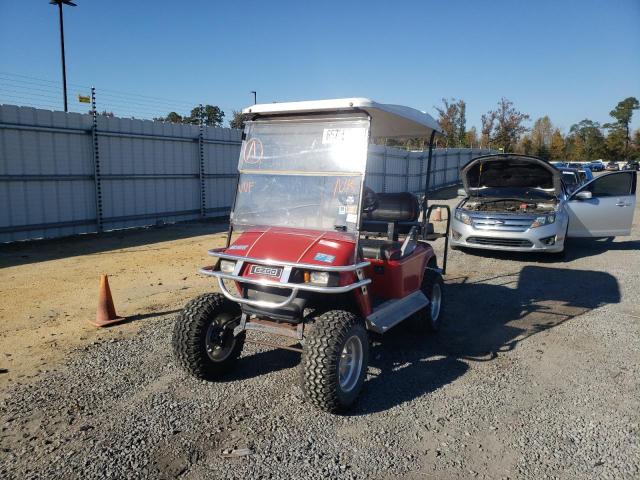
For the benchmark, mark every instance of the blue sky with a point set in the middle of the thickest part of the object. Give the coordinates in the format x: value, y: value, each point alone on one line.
x: 569, y: 59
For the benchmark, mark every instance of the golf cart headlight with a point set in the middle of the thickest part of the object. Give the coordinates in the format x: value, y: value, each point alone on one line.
x: 227, y: 266
x: 319, y: 278
x: 543, y: 220
x: 463, y: 217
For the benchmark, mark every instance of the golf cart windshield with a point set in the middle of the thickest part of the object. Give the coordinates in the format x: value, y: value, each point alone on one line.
x: 302, y: 172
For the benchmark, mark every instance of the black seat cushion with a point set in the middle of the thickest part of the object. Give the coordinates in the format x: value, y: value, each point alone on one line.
x: 380, y: 249
x: 390, y: 207
x: 377, y: 226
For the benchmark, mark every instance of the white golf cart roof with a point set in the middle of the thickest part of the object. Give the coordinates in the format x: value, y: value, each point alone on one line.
x: 386, y: 120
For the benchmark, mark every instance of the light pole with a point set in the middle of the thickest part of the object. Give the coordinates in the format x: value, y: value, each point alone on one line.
x: 254, y: 96
x: 64, y: 68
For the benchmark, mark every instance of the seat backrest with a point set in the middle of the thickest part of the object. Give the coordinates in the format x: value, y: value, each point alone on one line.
x: 391, y: 207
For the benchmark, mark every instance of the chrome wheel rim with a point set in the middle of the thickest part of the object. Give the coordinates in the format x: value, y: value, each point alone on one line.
x: 436, y: 300
x: 217, y: 342
x: 350, y: 364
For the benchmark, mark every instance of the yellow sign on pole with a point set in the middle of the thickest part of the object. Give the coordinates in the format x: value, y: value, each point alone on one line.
x: 84, y: 99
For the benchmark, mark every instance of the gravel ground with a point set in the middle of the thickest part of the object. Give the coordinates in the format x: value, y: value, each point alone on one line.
x: 534, y: 375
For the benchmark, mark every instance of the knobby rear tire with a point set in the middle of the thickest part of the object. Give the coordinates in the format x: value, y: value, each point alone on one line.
x: 424, y: 321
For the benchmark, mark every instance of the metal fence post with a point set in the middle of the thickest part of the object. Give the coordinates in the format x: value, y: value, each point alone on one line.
x: 384, y: 170
x: 203, y: 194
x: 97, y: 180
x: 406, y: 172
x: 422, y: 170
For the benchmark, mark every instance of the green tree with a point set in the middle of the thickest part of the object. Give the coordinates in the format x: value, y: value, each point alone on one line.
x: 209, y: 114
x: 615, y: 145
x: 471, y: 138
x: 620, y: 128
x: 588, y: 140
x: 636, y: 144
x: 172, y: 117
x: 453, y: 121
x: 462, y: 124
x: 237, y: 119
x: 503, y: 126
x: 526, y: 145
x: 574, y: 148
x: 557, y: 146
x: 541, y: 133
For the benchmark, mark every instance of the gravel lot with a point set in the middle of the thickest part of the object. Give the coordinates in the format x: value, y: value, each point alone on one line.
x: 535, y: 374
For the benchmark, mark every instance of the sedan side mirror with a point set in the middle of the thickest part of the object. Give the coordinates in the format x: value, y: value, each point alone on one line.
x: 584, y: 195
x: 462, y: 192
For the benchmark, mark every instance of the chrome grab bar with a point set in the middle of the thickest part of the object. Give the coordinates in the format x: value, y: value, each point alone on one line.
x: 257, y: 303
x: 219, y: 253
x: 295, y: 287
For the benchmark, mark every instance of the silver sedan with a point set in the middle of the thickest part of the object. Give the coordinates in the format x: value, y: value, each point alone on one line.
x: 519, y: 203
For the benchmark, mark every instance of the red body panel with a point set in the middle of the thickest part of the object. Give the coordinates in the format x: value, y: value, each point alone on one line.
x: 295, y: 245
x: 398, y: 278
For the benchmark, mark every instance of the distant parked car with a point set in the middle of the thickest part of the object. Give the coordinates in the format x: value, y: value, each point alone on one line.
x: 560, y: 164
x: 570, y: 179
x: 596, y: 166
x: 632, y: 165
x: 585, y: 174
x: 612, y: 167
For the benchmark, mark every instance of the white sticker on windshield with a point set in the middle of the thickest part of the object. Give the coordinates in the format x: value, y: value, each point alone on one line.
x: 331, y: 136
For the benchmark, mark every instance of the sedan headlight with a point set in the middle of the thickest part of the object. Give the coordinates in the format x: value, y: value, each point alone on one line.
x: 227, y: 266
x: 463, y: 217
x: 543, y: 220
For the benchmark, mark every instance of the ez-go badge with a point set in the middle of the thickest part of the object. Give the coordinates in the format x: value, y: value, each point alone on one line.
x: 269, y: 271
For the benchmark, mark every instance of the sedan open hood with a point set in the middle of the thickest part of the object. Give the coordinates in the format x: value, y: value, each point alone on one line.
x: 510, y: 171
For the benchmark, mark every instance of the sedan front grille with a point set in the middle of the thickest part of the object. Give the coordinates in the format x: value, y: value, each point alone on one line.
x: 504, y: 223
x: 500, y: 242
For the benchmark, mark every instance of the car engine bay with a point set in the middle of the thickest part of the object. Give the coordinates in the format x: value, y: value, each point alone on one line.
x: 509, y: 206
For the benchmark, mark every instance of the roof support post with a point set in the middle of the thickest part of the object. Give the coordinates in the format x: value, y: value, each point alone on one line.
x: 201, y: 168
x: 425, y: 199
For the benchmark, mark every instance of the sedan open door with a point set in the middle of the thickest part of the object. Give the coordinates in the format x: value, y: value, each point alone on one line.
x: 603, y: 207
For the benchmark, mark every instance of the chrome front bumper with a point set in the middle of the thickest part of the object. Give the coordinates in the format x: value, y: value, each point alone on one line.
x: 284, y: 278
x: 530, y: 240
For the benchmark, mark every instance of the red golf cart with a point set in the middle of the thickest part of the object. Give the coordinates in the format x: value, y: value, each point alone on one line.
x: 312, y: 253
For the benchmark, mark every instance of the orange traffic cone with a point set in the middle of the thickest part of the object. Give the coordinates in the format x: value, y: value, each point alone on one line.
x: 106, y: 313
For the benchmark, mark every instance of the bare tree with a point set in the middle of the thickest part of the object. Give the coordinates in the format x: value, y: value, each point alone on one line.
x: 503, y: 126
x: 486, y: 129
x: 452, y: 119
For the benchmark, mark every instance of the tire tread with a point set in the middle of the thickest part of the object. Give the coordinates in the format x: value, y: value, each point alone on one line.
x: 321, y: 355
x: 190, y: 326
